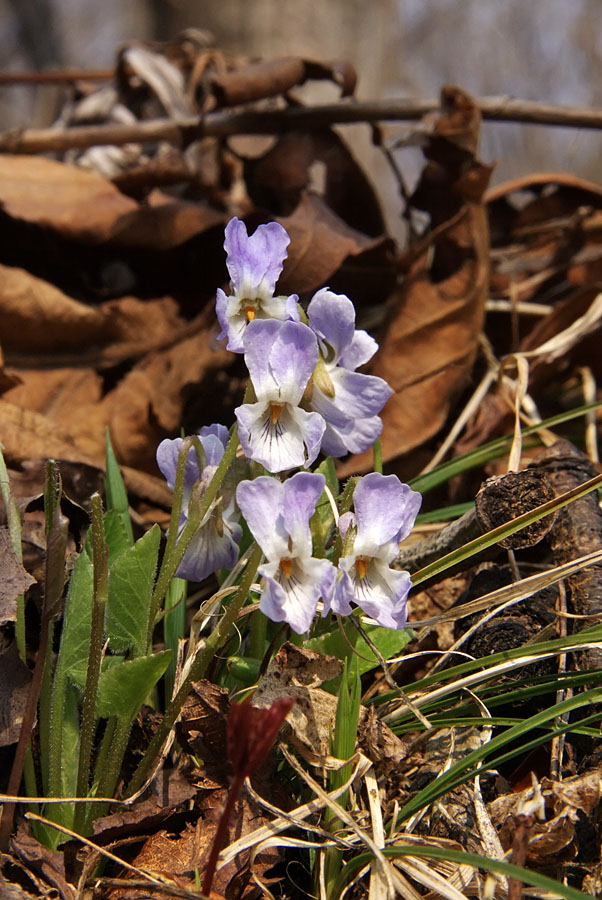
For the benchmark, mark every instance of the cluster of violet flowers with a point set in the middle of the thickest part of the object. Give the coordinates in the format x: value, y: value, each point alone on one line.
x: 308, y: 397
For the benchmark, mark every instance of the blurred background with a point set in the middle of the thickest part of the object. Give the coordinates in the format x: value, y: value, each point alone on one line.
x: 547, y: 50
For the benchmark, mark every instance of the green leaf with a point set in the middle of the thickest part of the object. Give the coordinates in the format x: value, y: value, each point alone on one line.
x: 115, y: 535
x: 75, y: 639
x: 131, y: 581
x: 124, y: 687
x: 388, y: 641
x: 322, y: 521
x: 328, y: 470
x: 117, y: 498
x: 72, y: 658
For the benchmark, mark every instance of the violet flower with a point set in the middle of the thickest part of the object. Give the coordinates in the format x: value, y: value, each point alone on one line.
x: 254, y: 264
x: 274, y: 431
x: 385, y: 510
x: 278, y: 516
x: 215, y: 544
x: 347, y: 400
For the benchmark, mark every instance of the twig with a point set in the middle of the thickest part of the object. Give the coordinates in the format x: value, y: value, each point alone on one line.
x: 223, y: 124
x: 55, y: 76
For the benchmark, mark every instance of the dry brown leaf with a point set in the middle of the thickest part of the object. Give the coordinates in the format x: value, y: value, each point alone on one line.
x: 297, y: 672
x: 15, y: 679
x: 320, y: 241
x: 37, y: 316
x: 270, y: 78
x: 435, y: 319
x: 148, y: 402
x: 164, y: 225
x: 14, y: 580
x: 27, y: 434
x: 77, y: 203
x: 278, y: 178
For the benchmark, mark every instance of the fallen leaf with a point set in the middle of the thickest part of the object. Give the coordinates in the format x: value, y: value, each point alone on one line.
x: 320, y: 242
x: 14, y: 580
x: 435, y: 318
x: 15, y: 679
x: 77, y: 203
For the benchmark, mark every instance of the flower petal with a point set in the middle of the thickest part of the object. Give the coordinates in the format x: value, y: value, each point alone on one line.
x: 255, y: 262
x: 362, y: 348
x: 294, y: 599
x: 385, y: 509
x: 292, y: 359
x: 209, y: 551
x: 261, y: 503
x: 332, y: 317
x: 301, y: 494
x: 167, y: 460
x: 355, y: 436
x: 356, y: 396
x: 280, y: 357
x: 381, y: 593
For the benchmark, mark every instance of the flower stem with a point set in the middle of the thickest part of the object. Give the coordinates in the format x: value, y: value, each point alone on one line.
x: 197, y: 671
x: 100, y: 555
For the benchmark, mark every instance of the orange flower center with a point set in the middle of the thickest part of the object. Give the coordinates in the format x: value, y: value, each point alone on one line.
x: 361, y: 565
x: 286, y: 567
x: 250, y: 311
x: 275, y: 410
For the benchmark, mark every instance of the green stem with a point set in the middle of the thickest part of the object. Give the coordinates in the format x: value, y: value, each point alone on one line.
x: 197, y: 671
x: 100, y: 555
x: 45, y: 710
x: 109, y: 776
x: 175, y: 547
x: 257, y: 637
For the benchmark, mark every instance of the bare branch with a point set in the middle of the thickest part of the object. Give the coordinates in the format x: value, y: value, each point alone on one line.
x: 56, y: 76
x: 223, y: 124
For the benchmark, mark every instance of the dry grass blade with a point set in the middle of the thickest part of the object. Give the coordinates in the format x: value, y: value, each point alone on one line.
x: 294, y: 818
x: 512, y: 593
x: 388, y: 873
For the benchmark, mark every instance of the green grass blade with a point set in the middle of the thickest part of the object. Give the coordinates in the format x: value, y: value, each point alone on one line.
x: 500, y: 867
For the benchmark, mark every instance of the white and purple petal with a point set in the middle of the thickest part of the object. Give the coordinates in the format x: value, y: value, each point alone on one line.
x: 381, y: 593
x: 290, y: 442
x: 384, y: 508
x: 293, y: 598
x: 209, y: 550
x: 332, y: 317
x: 280, y: 357
x: 301, y: 495
x: 354, y: 436
x: 256, y: 261
x: 261, y: 503
x: 361, y: 349
x: 356, y: 396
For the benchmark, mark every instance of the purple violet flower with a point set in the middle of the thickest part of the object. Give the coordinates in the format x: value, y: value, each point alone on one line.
x: 215, y: 544
x: 274, y: 431
x: 347, y: 400
x: 278, y: 516
x: 385, y: 510
x: 254, y: 264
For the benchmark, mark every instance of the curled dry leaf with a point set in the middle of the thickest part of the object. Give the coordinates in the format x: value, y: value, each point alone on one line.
x: 270, y: 78
x: 320, y: 242
x: 435, y: 317
x: 319, y: 161
x: 297, y: 672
